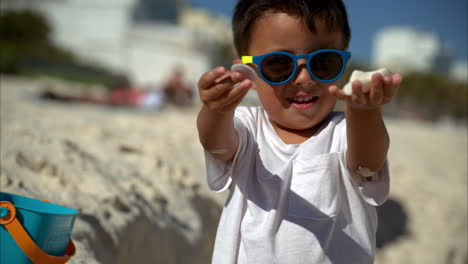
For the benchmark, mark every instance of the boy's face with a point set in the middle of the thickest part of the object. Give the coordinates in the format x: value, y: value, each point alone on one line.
x: 283, y: 32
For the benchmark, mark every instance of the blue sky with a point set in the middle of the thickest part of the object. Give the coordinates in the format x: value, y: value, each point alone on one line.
x: 447, y: 19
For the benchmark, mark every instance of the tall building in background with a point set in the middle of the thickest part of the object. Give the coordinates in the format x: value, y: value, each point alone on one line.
x: 144, y: 39
x: 407, y: 49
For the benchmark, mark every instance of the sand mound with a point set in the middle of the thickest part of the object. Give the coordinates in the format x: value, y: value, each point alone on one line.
x: 137, y: 178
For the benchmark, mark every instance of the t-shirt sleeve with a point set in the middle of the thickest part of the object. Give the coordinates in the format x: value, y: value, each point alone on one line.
x: 375, y: 190
x: 220, y: 173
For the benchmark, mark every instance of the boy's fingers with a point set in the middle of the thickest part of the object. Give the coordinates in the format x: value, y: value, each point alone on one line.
x: 387, y: 80
x: 358, y: 96
x: 238, y: 92
x: 396, y: 79
x: 216, y: 91
x: 207, y: 80
x: 224, y: 84
x: 234, y: 95
x: 235, y: 103
x: 389, y: 94
x: 377, y: 91
x: 237, y: 77
x: 390, y: 90
x: 335, y: 91
x: 223, y: 78
x: 382, y: 90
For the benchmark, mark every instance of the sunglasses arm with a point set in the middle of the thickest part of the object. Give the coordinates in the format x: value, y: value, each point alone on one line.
x: 247, y: 59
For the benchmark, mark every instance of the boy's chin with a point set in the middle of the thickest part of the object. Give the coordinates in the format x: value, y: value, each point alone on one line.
x: 300, y: 124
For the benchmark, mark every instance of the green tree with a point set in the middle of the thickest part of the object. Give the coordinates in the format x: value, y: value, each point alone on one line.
x: 26, y: 34
x: 26, y: 48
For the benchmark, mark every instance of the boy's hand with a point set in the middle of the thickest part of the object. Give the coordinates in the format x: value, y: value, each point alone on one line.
x: 217, y: 91
x: 382, y: 90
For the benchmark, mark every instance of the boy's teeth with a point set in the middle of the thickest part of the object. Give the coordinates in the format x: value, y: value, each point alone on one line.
x: 301, y: 99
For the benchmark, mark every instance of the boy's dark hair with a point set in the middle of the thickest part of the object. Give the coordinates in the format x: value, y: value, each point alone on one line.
x: 247, y: 12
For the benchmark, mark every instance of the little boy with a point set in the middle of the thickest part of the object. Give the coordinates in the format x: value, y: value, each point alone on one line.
x: 303, y: 180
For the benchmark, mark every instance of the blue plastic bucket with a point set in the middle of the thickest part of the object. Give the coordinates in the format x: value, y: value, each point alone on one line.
x: 48, y: 225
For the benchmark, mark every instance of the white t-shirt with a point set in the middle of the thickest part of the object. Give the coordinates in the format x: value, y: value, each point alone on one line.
x: 294, y: 203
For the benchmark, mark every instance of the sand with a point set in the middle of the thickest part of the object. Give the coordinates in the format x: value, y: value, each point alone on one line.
x: 137, y: 177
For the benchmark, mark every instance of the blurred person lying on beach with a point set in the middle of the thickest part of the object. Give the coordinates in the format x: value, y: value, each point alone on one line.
x: 303, y: 180
x: 174, y: 91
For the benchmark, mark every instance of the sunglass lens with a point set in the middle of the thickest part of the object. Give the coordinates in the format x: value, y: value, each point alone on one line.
x: 326, y: 65
x: 277, y: 68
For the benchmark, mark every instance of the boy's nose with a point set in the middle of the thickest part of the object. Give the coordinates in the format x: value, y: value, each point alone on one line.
x: 302, y: 75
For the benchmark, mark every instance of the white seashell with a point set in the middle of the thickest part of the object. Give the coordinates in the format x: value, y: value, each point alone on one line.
x: 245, y: 70
x: 365, y: 78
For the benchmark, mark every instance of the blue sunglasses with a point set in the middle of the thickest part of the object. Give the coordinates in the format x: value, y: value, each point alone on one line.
x: 276, y: 68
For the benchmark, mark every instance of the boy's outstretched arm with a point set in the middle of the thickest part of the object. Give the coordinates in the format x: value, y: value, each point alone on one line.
x: 215, y: 121
x: 368, y: 140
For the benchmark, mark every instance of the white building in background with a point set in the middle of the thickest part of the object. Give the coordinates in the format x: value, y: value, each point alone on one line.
x: 109, y: 33
x: 407, y: 49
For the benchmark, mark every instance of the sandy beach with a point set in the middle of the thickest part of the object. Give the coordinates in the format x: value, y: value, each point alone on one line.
x: 137, y: 177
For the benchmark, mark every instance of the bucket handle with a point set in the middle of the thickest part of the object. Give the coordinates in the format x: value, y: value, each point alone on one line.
x: 34, y: 253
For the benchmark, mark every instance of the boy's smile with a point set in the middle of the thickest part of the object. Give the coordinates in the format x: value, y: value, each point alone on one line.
x: 302, y: 101
x: 301, y: 104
